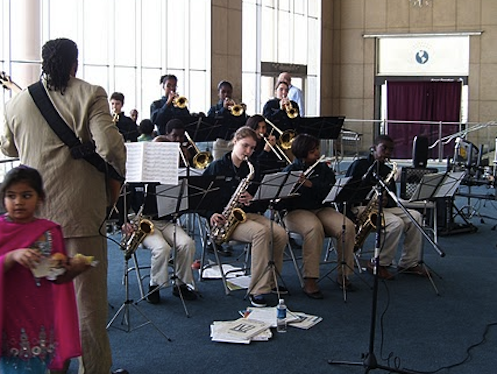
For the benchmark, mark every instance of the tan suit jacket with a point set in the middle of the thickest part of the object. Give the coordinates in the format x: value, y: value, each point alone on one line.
x: 75, y: 190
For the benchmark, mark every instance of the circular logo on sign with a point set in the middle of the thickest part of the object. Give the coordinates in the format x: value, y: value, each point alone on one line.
x: 422, y: 57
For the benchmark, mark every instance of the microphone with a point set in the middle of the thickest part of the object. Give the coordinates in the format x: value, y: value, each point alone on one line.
x: 369, y: 172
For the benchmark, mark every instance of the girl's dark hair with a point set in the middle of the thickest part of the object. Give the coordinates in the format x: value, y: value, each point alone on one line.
x: 59, y: 57
x: 302, y: 144
x: 224, y: 83
x: 245, y: 132
x: 253, y: 121
x: 280, y: 82
x: 166, y: 77
x: 24, y: 174
x: 146, y: 127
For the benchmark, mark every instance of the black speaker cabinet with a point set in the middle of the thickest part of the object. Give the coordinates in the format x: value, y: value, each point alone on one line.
x: 420, y: 152
x: 410, y: 178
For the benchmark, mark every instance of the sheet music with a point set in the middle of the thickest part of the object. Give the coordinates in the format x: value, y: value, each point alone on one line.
x: 167, y: 198
x: 182, y: 172
x: 335, y: 190
x: 151, y: 162
x: 271, y: 184
x: 438, y: 185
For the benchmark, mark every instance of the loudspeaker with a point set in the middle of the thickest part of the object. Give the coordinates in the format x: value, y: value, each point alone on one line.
x: 410, y: 178
x: 420, y: 152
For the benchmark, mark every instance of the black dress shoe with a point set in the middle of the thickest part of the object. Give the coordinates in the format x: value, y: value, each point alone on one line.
x: 188, y: 294
x: 154, y: 295
x: 120, y: 371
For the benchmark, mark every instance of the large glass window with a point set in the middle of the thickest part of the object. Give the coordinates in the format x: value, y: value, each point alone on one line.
x: 282, y: 32
x: 124, y: 45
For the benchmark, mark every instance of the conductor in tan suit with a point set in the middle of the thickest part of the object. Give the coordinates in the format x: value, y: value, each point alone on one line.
x: 75, y: 190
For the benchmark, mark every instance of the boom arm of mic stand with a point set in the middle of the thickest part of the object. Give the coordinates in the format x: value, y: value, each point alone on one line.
x: 413, y: 220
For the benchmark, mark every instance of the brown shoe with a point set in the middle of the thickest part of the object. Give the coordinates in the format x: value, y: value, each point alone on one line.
x: 383, y: 272
x: 416, y: 270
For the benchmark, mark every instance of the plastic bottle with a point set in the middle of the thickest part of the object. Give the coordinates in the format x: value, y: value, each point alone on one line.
x: 281, y: 316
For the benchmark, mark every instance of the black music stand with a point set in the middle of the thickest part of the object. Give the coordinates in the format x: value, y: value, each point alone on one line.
x: 203, y: 194
x: 321, y: 127
x: 203, y: 129
x: 340, y: 194
x: 272, y: 189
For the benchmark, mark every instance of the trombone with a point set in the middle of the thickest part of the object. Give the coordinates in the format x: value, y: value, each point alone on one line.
x: 277, y: 150
x: 286, y: 137
x: 201, y: 159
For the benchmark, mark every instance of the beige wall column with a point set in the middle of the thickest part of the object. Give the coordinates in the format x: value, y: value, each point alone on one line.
x: 226, y: 46
x: 26, y: 30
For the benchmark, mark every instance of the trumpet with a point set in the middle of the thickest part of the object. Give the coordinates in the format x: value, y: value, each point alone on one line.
x: 277, y: 150
x: 115, y: 118
x: 201, y: 159
x: 236, y: 110
x: 179, y: 102
x: 286, y: 137
x: 291, y: 112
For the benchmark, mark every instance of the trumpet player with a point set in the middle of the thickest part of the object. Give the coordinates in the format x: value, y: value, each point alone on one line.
x: 165, y: 109
x: 127, y: 127
x: 224, y: 114
x: 396, y: 221
x: 307, y: 216
x: 175, y: 132
x: 255, y: 229
x: 280, y: 110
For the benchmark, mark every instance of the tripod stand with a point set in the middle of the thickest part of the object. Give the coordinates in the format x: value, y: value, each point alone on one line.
x: 370, y: 362
x: 127, y: 303
x: 340, y: 194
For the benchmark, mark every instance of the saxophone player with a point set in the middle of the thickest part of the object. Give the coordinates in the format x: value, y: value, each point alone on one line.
x: 310, y: 219
x: 256, y: 229
x: 396, y: 221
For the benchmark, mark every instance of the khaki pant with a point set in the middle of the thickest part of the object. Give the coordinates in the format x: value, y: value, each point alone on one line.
x: 91, y: 297
x: 257, y: 231
x: 314, y: 226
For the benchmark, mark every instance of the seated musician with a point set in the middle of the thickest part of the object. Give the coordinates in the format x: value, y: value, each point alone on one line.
x: 175, y: 132
x: 314, y: 221
x: 161, y: 241
x: 167, y: 108
x: 269, y: 157
x: 127, y: 127
x: 256, y: 230
x: 396, y: 221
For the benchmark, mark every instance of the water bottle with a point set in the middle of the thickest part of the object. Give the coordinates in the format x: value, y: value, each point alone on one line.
x: 281, y: 316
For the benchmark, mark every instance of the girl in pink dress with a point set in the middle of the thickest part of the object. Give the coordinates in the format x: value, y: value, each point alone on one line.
x: 38, y: 316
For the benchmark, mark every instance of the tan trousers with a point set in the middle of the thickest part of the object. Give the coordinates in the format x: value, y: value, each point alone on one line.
x: 91, y: 296
x: 314, y: 226
x: 257, y: 231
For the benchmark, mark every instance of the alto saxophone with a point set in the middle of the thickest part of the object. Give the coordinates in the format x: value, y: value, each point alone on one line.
x: 367, y: 219
x: 233, y: 214
x: 141, y: 228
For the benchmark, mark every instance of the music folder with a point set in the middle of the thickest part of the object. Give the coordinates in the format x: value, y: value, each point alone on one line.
x: 337, y: 193
x: 438, y: 185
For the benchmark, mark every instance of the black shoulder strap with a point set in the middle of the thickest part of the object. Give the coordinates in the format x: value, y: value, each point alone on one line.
x: 47, y: 109
x: 64, y: 132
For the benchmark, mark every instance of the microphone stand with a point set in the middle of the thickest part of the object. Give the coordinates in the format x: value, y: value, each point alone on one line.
x: 370, y: 362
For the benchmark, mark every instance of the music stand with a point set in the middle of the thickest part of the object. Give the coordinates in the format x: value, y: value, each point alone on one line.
x: 272, y: 189
x: 139, y: 156
x: 203, y: 129
x: 322, y: 127
x: 340, y: 194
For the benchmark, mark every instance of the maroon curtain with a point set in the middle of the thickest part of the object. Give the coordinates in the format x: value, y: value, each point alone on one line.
x: 422, y: 101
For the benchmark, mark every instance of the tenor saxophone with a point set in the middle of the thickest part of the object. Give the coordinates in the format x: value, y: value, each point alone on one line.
x: 232, y: 213
x: 141, y: 228
x: 367, y: 219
